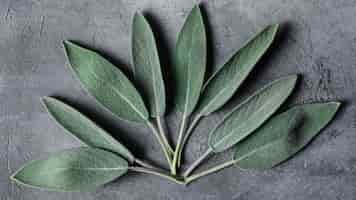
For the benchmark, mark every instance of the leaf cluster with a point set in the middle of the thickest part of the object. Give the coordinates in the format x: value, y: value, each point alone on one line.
x: 260, y: 136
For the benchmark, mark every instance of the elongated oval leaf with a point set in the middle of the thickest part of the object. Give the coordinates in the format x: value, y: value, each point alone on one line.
x: 84, y: 129
x: 275, y: 129
x: 315, y: 118
x: 190, y: 62
x: 223, y: 84
x: 250, y: 114
x: 72, y: 170
x: 147, y: 66
x: 106, y: 83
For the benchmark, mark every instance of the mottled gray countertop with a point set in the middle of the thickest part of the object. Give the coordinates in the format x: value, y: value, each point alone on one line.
x: 318, y: 41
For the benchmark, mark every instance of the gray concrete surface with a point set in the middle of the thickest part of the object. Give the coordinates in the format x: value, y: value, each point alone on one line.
x: 318, y: 41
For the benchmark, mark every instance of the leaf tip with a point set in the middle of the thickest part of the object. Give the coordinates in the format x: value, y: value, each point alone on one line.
x: 195, y: 11
x: 47, y: 100
x: 274, y: 28
x: 292, y: 79
x: 137, y: 16
x: 70, y: 47
x: 337, y: 105
x: 48, y: 103
x: 138, y: 20
x: 66, y: 44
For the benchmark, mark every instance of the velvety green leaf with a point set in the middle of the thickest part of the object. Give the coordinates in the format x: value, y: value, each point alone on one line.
x: 147, y: 66
x: 84, y: 129
x: 275, y: 129
x: 106, y: 83
x: 223, y: 84
x: 314, y: 118
x: 250, y: 114
x: 190, y: 62
x: 72, y: 170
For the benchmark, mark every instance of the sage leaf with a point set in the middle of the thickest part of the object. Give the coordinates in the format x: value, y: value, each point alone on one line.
x: 75, y: 169
x: 84, y: 129
x: 190, y: 62
x: 147, y: 67
x: 106, y: 83
x: 223, y: 84
x: 275, y: 129
x: 315, y: 117
x: 250, y: 114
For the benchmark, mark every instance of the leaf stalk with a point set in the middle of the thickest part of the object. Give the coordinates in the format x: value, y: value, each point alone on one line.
x: 179, y: 144
x: 209, y: 171
x: 159, y: 173
x: 164, y: 136
x: 198, y: 162
x: 216, y: 168
x: 186, y: 137
x: 144, y: 164
x: 163, y: 146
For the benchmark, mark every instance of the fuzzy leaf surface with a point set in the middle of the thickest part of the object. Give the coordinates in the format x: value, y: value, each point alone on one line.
x: 190, y: 62
x: 106, y: 83
x: 147, y: 67
x: 314, y: 118
x: 75, y: 169
x: 223, y: 84
x: 251, y: 114
x: 84, y: 129
x: 275, y: 129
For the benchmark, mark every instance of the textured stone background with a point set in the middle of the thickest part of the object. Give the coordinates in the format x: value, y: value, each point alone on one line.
x: 318, y: 40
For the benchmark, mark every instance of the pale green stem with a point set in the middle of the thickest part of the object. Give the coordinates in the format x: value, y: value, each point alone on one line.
x: 179, y: 143
x: 157, y: 173
x: 144, y: 164
x: 187, y: 135
x: 210, y: 171
x: 197, y: 162
x: 164, y: 148
x: 164, y: 136
x: 217, y: 168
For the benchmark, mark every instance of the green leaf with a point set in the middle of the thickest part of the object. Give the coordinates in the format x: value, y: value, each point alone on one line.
x: 250, y: 114
x: 84, y: 129
x: 106, y: 83
x: 275, y: 129
x: 147, y: 66
x: 190, y: 62
x: 75, y: 169
x: 223, y: 84
x: 314, y: 118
